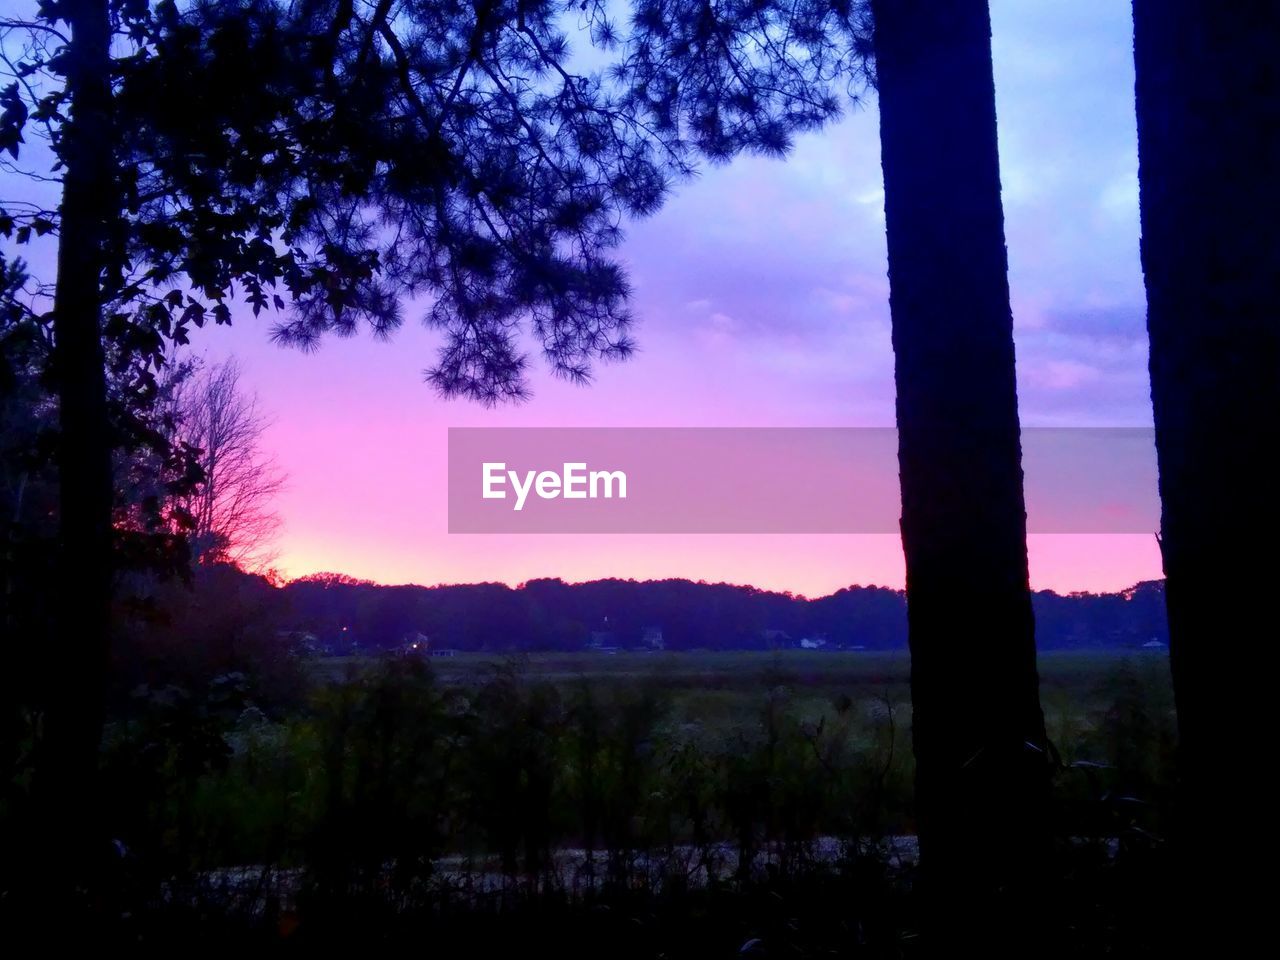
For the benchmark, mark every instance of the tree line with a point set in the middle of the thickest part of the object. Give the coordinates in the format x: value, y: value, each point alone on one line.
x: 340, y: 615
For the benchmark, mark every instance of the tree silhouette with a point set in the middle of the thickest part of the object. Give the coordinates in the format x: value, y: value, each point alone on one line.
x: 305, y: 157
x: 1208, y: 109
x: 233, y: 519
x: 329, y: 160
x: 978, y: 730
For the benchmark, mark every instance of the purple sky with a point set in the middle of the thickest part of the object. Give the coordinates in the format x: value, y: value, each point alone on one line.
x: 763, y: 301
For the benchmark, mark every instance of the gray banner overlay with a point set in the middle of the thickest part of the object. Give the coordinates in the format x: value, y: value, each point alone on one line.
x: 768, y: 480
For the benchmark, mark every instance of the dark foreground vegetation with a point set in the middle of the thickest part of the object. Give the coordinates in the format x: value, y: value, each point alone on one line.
x: 637, y: 804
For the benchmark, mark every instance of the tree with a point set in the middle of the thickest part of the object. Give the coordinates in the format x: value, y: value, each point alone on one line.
x: 982, y: 758
x: 263, y: 151
x: 232, y: 516
x: 151, y: 473
x: 1208, y: 109
x: 978, y: 730
x: 328, y: 159
x: 73, y: 718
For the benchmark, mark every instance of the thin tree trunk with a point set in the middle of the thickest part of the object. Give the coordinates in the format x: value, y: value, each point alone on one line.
x: 978, y: 730
x: 1208, y: 108
x: 77, y: 664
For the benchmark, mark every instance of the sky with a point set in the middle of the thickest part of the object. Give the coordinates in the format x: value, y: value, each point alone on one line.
x: 762, y: 297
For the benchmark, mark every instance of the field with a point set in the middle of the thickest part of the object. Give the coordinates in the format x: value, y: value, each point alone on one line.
x: 1112, y: 709
x: 1073, y: 684
x: 1075, y: 671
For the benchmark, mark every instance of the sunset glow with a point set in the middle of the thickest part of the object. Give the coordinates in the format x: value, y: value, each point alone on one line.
x: 763, y: 301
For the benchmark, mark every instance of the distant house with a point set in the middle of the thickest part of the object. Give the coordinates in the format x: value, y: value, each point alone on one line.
x: 652, y: 639
x: 605, y: 638
x: 1153, y: 644
x: 419, y: 645
x: 812, y: 643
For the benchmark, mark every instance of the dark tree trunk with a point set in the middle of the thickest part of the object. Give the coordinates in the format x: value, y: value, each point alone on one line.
x: 1208, y: 105
x: 74, y: 695
x: 978, y: 731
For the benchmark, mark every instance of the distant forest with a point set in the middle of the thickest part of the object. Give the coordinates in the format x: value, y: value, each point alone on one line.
x: 339, y: 615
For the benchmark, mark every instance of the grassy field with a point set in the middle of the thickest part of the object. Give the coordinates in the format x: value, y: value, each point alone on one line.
x: 1059, y: 671
x: 1088, y: 697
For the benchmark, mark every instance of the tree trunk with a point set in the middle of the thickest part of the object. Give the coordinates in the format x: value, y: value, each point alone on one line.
x: 1208, y: 106
x: 77, y: 660
x: 978, y: 731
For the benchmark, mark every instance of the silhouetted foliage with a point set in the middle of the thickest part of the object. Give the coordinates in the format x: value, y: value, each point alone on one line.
x: 332, y: 160
x: 629, y: 614
x: 232, y: 509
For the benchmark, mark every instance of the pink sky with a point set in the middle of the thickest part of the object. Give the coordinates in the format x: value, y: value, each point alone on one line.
x: 762, y: 297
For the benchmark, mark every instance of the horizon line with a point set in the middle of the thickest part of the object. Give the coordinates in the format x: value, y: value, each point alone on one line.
x: 362, y: 581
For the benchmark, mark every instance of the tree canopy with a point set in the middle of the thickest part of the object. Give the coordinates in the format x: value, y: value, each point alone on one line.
x: 335, y: 161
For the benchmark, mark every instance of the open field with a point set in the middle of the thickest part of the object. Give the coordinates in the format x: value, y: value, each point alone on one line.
x: 1098, y: 704
x: 1059, y: 670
